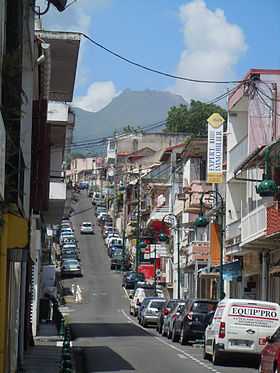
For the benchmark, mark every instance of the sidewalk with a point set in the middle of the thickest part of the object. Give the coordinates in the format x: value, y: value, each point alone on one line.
x: 45, y: 356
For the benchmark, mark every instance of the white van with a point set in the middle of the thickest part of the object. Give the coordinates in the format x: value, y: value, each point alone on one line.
x: 240, y: 326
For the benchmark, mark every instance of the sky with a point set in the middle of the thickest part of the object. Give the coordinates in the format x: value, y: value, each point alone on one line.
x: 202, y: 39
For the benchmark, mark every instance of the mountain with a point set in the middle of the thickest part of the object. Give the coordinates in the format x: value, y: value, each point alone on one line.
x: 134, y: 108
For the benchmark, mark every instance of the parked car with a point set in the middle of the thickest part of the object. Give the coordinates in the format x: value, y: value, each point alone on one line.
x: 151, y: 312
x: 144, y: 305
x: 168, y: 328
x: 131, y: 278
x: 168, y: 307
x: 115, y: 241
x: 240, y: 326
x: 70, y: 267
x: 86, y: 228
x: 118, y: 260
x: 270, y: 355
x: 69, y: 255
x: 69, y: 240
x: 190, y: 324
x: 107, y: 231
x: 65, y: 236
x: 114, y: 248
x: 100, y: 209
x: 137, y: 299
x: 110, y: 235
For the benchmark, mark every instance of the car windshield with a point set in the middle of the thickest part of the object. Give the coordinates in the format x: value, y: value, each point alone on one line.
x: 203, y: 307
x: 87, y: 225
x: 156, y: 304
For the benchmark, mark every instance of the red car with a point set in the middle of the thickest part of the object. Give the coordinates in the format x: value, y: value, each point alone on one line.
x: 270, y: 356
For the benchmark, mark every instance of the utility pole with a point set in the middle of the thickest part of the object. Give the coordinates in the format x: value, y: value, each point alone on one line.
x: 138, y: 218
x: 115, y: 185
x: 124, y: 221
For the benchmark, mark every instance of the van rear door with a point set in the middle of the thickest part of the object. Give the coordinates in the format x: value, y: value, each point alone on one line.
x: 249, y: 323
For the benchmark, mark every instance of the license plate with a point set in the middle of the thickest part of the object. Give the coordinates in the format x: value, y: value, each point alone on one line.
x: 240, y: 342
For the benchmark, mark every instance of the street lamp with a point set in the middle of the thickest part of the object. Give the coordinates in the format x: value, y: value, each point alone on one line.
x: 202, y: 221
x: 172, y: 220
x: 267, y: 187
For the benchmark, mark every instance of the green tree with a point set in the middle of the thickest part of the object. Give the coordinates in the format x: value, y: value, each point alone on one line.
x: 192, y: 119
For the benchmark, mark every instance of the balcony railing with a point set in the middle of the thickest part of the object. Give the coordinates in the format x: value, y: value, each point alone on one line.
x: 254, y: 225
x: 233, y: 230
x: 159, y: 212
x: 198, y: 251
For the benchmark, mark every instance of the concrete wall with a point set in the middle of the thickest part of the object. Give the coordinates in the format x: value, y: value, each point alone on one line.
x: 155, y: 141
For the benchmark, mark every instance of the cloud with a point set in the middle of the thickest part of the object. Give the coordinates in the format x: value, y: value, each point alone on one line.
x: 99, y: 95
x: 213, y: 46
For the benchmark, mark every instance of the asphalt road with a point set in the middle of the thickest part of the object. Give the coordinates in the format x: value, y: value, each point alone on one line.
x: 105, y: 337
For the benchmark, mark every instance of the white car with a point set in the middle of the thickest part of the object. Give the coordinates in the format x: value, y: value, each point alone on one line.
x: 86, y: 228
x: 136, y: 301
x: 65, y: 236
x: 110, y: 235
x: 240, y: 326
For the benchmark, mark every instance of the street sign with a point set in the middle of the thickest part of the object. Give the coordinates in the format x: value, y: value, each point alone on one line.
x: 215, y: 149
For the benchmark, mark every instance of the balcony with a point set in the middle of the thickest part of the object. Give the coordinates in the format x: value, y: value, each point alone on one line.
x: 158, y: 213
x: 253, y: 225
x: 197, y: 187
x: 261, y: 226
x: 197, y: 251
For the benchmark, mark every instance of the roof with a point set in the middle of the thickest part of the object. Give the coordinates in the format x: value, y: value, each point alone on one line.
x: 166, y: 153
x: 238, y: 92
x: 195, y: 147
x: 64, y: 50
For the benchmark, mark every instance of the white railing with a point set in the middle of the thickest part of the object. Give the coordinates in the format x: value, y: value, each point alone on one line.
x: 233, y: 229
x: 237, y: 155
x: 159, y: 212
x: 253, y: 225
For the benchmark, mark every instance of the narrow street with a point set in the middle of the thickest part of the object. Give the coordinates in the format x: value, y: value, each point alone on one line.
x: 105, y: 337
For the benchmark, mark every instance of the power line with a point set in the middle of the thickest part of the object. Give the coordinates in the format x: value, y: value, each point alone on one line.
x: 162, y: 73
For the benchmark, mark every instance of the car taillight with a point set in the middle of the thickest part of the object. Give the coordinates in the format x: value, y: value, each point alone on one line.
x: 222, y: 330
x: 189, y: 316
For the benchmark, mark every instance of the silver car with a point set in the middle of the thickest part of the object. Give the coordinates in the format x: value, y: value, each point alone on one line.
x: 71, y: 267
x: 151, y: 312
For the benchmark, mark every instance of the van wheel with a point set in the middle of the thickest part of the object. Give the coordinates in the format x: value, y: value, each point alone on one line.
x: 216, y: 358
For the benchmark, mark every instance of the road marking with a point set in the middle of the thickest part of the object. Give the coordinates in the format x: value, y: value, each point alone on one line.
x: 181, y: 356
x: 182, y: 352
x: 126, y: 293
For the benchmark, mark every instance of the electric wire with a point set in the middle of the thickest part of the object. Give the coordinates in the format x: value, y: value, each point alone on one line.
x: 159, y: 72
